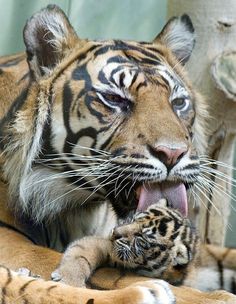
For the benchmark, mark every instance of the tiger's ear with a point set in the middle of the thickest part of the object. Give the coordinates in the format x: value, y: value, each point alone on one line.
x: 178, y: 36
x: 48, y: 35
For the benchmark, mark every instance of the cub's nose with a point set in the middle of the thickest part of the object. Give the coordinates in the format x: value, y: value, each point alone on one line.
x: 168, y: 156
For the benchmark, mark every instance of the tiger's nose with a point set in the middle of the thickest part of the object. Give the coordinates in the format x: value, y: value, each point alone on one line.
x: 168, y: 156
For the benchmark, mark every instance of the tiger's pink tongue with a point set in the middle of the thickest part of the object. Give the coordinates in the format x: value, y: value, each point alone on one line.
x: 174, y: 192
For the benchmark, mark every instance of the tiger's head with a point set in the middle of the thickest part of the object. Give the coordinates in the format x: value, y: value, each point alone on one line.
x: 122, y: 118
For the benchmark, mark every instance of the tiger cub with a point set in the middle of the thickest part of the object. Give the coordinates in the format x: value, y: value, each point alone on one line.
x: 156, y: 243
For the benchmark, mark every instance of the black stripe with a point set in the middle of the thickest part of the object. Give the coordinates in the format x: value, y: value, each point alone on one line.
x: 76, y: 102
x: 12, y: 62
x: 67, y: 101
x: 119, y: 151
x: 81, y: 73
x: 136, y: 165
x: 107, y: 142
x: 165, y: 80
x: 89, y: 101
x: 134, y: 78
x: 157, y: 212
x: 111, y: 78
x: 149, y: 61
x: 154, y: 255
x: 164, y: 259
x: 102, y: 78
x: 72, y: 138
x: 152, y: 49
x: 121, y: 45
x: 141, y: 84
x: 51, y: 288
x: 117, y: 59
x: 24, y: 77
x: 85, y: 54
x: 124, y: 46
x: 4, y: 289
x: 191, y: 167
x: 221, y: 274
x: 138, y: 156
x: 24, y: 286
x: 85, y: 259
x: 233, y: 286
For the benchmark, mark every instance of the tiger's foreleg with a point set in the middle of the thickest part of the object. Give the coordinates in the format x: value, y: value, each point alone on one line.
x: 108, y: 278
x: 20, y: 290
x: 17, y: 251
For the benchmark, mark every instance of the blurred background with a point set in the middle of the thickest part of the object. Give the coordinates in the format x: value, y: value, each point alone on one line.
x: 103, y: 19
x: 124, y: 19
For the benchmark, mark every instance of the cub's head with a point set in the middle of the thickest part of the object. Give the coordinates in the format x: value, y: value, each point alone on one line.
x: 158, y: 242
x: 122, y: 118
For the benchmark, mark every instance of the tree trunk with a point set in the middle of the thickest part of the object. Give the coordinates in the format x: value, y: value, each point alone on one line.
x: 215, y: 26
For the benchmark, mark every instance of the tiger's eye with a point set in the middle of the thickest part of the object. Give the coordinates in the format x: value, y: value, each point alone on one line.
x: 113, y: 98
x: 180, y: 104
x: 115, y: 101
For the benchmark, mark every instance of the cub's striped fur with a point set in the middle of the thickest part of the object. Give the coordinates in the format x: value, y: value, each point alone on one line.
x: 158, y: 243
x: 91, y: 131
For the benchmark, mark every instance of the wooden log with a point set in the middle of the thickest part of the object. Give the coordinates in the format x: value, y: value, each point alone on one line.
x: 215, y: 26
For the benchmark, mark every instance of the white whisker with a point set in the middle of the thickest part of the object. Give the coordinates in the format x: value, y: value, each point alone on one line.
x: 219, y: 189
x: 200, y: 189
x: 200, y: 199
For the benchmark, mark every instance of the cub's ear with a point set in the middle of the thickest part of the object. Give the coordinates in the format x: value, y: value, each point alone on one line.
x: 178, y: 36
x: 48, y: 35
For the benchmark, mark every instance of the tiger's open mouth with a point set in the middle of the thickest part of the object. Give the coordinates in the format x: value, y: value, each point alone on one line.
x: 142, y: 195
x: 174, y: 192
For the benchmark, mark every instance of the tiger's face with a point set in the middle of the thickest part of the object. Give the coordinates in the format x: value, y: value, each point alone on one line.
x: 122, y: 109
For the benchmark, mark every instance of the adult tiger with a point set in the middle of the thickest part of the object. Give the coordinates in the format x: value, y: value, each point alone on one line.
x: 85, y: 125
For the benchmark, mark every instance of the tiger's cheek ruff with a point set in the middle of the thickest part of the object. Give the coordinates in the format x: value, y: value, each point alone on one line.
x: 28, y: 126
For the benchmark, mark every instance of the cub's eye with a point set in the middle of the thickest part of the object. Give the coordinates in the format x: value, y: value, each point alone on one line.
x: 114, y: 101
x: 180, y: 104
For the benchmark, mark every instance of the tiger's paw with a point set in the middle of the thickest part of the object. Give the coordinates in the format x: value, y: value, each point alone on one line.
x: 150, y: 292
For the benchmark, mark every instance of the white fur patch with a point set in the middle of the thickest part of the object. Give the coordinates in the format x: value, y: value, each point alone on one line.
x: 208, y: 279
x: 179, y: 39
